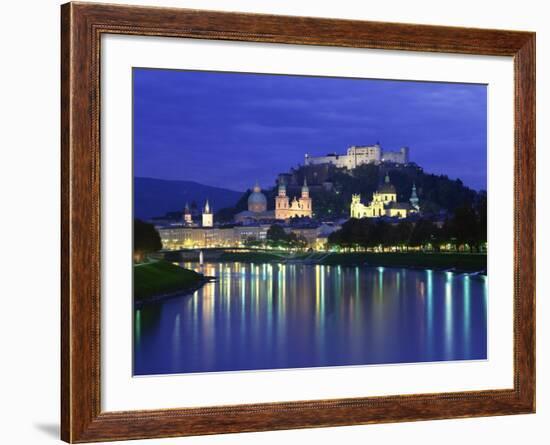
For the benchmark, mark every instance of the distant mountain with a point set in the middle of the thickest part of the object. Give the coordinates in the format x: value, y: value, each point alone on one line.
x: 156, y: 197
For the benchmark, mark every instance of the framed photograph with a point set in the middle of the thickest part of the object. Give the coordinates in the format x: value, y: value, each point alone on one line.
x: 274, y: 222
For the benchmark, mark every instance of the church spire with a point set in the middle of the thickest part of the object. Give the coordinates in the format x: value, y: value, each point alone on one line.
x: 207, y: 216
x: 282, y: 187
x: 414, y: 197
x: 187, y: 218
x: 305, y: 189
x: 257, y: 188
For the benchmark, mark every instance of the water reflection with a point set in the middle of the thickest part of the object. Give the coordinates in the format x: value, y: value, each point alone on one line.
x: 449, y: 316
x: 259, y: 316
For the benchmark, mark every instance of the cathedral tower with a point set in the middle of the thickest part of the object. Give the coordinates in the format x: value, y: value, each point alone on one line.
x: 305, y: 200
x: 281, y: 202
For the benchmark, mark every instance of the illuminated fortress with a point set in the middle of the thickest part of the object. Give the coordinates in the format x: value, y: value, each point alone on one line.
x: 358, y: 155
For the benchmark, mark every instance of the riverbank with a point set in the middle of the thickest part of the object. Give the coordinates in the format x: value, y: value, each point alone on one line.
x: 457, y: 261
x: 161, y: 279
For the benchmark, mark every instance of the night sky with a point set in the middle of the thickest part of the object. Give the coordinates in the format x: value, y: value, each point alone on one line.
x: 231, y: 129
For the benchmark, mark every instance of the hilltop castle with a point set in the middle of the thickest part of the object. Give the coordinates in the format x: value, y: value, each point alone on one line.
x: 384, y: 203
x: 358, y: 155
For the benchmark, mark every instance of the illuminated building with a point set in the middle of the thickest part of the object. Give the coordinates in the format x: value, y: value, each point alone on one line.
x: 384, y: 203
x: 187, y: 217
x: 286, y: 209
x: 200, y: 237
x: 257, y: 202
x: 207, y: 216
x: 257, y: 208
x: 359, y: 155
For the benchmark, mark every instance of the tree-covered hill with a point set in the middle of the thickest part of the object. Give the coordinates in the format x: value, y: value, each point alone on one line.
x: 156, y: 197
x: 332, y: 191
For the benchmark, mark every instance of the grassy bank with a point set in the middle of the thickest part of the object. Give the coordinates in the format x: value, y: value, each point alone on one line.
x: 466, y: 262
x: 161, y: 277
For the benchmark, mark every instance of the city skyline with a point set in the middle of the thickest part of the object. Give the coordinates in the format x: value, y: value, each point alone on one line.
x: 187, y: 122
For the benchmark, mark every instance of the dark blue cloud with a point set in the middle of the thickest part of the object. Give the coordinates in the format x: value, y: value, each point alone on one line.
x: 231, y: 129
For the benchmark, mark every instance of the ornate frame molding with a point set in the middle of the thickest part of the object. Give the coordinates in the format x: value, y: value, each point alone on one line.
x: 82, y: 25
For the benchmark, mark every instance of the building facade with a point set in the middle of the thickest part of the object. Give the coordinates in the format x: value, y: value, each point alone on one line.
x: 174, y: 238
x: 359, y: 155
x: 384, y: 203
x: 298, y: 207
x: 182, y: 237
x: 207, y: 216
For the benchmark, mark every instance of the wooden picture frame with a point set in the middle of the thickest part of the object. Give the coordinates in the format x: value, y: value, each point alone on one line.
x: 82, y: 25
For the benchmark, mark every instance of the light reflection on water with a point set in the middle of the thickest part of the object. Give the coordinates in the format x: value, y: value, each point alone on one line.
x: 265, y: 316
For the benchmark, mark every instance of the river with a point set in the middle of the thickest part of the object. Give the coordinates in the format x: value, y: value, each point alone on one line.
x: 269, y: 316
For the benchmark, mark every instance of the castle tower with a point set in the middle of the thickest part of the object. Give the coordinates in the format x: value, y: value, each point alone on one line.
x: 404, y: 155
x: 355, y: 206
x: 207, y: 216
x: 414, y: 198
x: 187, y: 217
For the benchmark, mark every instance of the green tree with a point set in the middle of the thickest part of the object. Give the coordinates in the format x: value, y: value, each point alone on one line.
x: 252, y: 241
x: 146, y: 240
x: 423, y: 232
x: 481, y: 210
x: 276, y: 233
x: 402, y: 233
x: 225, y: 214
x: 301, y: 242
x: 464, y: 226
x: 356, y: 233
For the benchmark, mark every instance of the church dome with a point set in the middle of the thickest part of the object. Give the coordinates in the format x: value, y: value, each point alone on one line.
x: 387, y: 186
x: 257, y: 201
